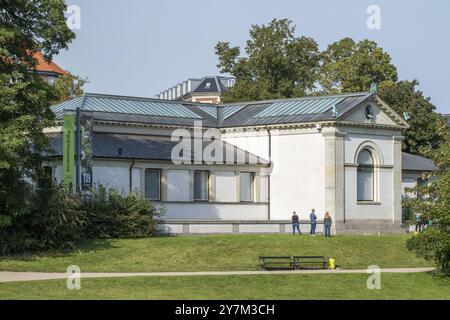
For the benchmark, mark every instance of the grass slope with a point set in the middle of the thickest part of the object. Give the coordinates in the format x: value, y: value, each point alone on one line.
x: 216, y: 252
x: 292, y: 287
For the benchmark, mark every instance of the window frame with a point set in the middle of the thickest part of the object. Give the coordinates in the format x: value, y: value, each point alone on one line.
x: 159, y: 184
x: 364, y: 167
x: 252, y: 186
x: 207, y: 186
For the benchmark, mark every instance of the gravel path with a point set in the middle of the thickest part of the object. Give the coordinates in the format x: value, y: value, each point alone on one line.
x: 6, y: 276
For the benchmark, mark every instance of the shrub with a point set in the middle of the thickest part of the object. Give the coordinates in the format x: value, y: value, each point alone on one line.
x: 49, y: 219
x: 52, y: 218
x: 114, y: 215
x: 408, y: 217
x: 434, y: 242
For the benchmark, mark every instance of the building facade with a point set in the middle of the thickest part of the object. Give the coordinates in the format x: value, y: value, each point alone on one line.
x: 244, y: 168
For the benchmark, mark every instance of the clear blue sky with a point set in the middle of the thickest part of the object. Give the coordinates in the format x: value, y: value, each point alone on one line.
x: 140, y: 47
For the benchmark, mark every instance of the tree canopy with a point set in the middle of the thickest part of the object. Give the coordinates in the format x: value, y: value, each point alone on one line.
x: 428, y: 129
x: 68, y: 86
x: 277, y: 63
x: 25, y: 27
x: 349, y: 66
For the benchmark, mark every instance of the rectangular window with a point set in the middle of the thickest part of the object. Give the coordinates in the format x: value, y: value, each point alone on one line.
x: 365, y: 184
x: 153, y: 184
x: 246, y: 186
x: 201, y: 185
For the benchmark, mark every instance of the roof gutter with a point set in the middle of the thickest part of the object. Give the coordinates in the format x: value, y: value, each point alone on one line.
x: 131, y: 174
x: 268, y: 177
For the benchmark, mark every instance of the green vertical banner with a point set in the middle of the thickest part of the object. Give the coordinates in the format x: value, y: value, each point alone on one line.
x: 69, y: 150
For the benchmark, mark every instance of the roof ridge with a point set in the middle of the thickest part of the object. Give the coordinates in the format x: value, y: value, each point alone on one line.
x: 309, y: 97
x: 114, y: 96
x: 83, y: 101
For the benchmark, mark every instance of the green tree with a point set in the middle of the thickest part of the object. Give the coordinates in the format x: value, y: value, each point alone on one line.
x: 428, y: 129
x: 68, y: 86
x: 277, y: 63
x: 25, y: 27
x: 434, y: 242
x: 349, y: 66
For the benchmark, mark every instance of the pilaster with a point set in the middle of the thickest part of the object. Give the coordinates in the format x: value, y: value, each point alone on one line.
x: 334, y: 175
x: 397, y: 178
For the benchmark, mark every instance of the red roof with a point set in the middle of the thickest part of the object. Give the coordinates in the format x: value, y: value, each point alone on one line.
x: 44, y: 66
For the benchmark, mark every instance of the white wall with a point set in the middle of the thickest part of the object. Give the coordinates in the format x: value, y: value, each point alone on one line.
x: 256, y: 142
x: 297, y: 179
x: 178, y: 185
x: 136, y: 180
x: 226, y: 186
x: 114, y: 175
x: 264, y: 188
x: 215, y: 211
x: 298, y: 176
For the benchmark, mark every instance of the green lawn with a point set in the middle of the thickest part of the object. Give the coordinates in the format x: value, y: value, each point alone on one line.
x: 319, y: 286
x: 216, y: 252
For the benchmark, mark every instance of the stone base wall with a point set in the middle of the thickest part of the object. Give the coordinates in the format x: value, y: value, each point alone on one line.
x: 192, y: 227
x: 368, y: 227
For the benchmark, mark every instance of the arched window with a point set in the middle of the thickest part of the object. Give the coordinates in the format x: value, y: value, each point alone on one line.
x: 365, y: 175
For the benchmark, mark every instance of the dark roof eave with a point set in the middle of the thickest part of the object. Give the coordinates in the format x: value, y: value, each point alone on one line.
x: 259, y: 164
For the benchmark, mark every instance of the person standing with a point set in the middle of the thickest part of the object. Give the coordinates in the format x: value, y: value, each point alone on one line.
x: 418, y: 217
x: 327, y: 223
x: 313, y: 220
x: 295, y: 223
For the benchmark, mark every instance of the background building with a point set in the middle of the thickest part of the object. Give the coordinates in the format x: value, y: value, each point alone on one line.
x: 205, y: 90
x: 49, y: 71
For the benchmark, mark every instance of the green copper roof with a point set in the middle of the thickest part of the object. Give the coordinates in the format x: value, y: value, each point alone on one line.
x: 130, y: 105
x: 211, y: 110
x: 230, y: 110
x: 298, y: 107
x: 257, y: 113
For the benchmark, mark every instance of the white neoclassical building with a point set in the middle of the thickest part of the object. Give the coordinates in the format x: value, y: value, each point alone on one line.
x: 250, y: 165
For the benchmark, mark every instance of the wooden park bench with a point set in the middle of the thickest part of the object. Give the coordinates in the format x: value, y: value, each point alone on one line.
x: 292, y: 262
x: 309, y: 262
x: 276, y: 262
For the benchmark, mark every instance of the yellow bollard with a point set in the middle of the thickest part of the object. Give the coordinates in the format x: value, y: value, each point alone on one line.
x: 332, y: 264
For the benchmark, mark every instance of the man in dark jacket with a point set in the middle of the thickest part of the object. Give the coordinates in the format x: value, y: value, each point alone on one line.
x: 295, y: 223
